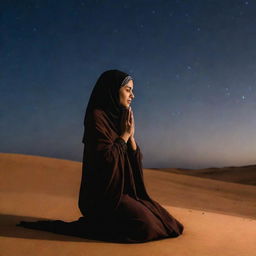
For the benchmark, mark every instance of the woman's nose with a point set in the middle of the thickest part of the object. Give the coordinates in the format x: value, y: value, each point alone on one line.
x: 133, y: 96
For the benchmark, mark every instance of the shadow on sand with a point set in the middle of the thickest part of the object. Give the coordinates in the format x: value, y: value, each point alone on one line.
x: 9, y: 229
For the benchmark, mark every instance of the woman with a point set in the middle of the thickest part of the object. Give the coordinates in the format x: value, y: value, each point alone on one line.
x: 113, y: 199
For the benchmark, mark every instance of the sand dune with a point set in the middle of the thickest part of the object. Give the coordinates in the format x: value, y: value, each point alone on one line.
x: 34, y: 187
x: 237, y: 174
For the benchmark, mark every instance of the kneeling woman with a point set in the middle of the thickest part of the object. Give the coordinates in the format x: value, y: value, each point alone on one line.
x: 113, y: 199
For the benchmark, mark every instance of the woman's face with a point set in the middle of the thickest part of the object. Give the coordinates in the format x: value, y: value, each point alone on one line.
x: 126, y: 95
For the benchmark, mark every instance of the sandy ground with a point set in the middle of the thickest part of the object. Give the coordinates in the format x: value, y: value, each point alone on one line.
x: 219, y: 217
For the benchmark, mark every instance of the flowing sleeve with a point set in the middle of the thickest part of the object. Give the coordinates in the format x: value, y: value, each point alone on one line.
x: 109, y: 154
x: 136, y: 157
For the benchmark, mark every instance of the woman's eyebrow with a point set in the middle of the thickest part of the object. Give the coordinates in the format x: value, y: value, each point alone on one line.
x: 129, y: 87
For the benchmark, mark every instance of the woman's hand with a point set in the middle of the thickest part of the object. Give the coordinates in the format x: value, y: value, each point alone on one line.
x: 131, y: 139
x: 127, y: 124
x: 133, y: 124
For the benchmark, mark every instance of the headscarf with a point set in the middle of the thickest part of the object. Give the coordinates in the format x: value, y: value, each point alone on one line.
x: 105, y: 96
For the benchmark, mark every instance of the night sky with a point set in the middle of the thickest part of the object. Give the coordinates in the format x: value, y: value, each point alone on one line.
x: 193, y: 63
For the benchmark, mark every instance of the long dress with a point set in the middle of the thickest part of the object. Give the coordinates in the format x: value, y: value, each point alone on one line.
x: 113, y: 199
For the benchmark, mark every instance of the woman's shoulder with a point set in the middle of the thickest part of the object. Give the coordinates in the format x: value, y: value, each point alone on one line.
x: 102, y: 120
x: 98, y: 113
x: 99, y: 116
x: 98, y: 110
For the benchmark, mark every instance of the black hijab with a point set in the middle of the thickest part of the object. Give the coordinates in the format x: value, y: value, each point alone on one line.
x: 105, y: 96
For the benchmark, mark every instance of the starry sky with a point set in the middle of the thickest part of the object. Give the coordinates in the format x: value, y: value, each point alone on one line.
x: 193, y: 63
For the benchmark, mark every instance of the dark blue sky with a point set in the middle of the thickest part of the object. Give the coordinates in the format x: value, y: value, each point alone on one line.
x: 194, y: 65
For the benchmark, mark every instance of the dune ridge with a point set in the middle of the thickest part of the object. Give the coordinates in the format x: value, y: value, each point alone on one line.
x: 236, y: 174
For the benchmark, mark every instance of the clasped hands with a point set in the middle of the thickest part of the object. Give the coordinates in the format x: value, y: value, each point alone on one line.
x: 127, y: 125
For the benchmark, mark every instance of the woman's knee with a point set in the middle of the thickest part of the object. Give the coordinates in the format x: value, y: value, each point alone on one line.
x: 142, y: 231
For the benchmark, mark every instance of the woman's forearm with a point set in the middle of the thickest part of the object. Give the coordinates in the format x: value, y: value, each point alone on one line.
x: 133, y: 143
x: 125, y: 137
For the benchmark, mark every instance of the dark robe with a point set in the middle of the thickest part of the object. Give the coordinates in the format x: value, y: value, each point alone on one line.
x: 113, y: 186
x: 113, y: 199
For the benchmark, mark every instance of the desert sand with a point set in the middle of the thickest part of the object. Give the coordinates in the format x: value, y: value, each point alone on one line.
x: 219, y: 216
